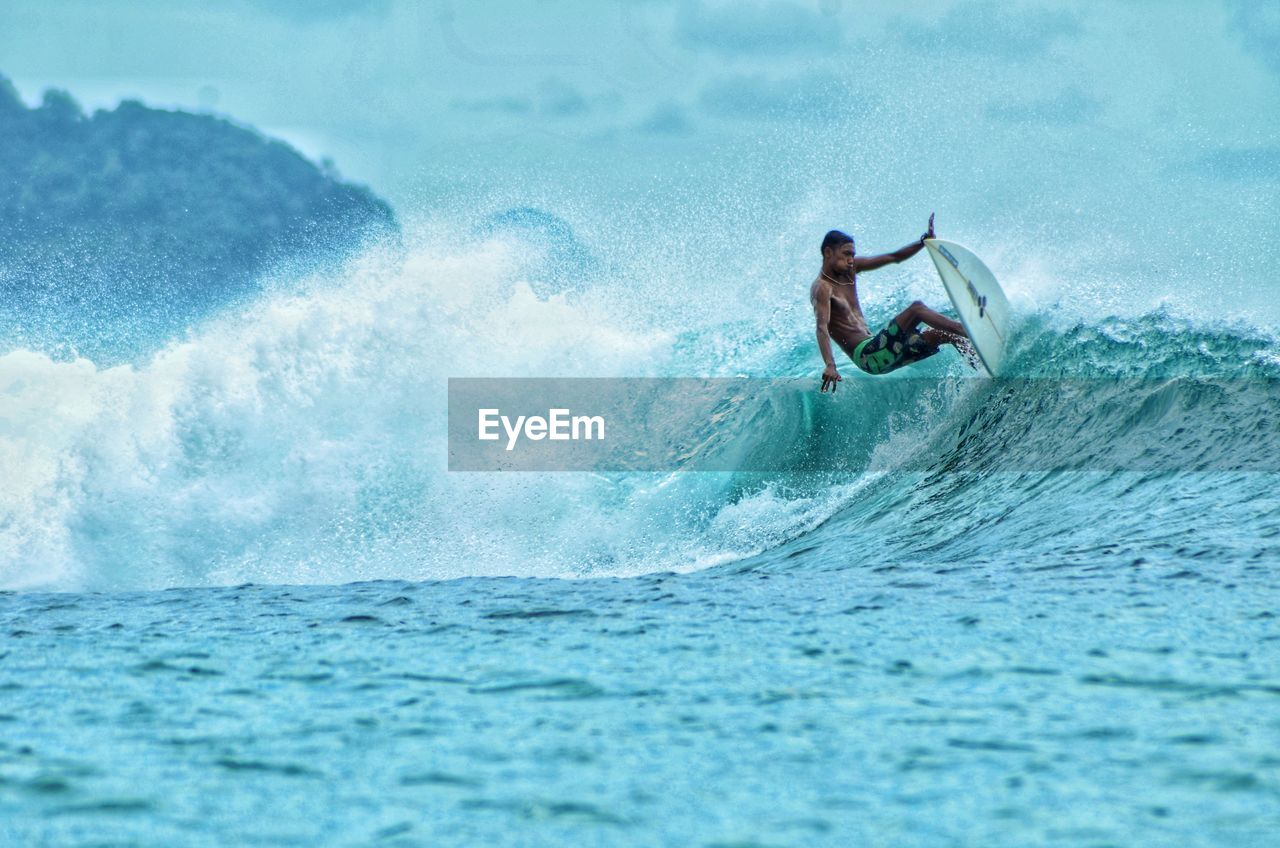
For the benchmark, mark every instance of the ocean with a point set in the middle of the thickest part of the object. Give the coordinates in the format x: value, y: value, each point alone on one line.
x: 248, y: 604
x: 245, y: 601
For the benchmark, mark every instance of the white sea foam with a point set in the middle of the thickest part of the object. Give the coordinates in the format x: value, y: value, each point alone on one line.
x: 303, y: 438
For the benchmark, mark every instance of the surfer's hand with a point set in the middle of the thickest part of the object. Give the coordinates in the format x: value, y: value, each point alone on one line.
x: 829, y: 378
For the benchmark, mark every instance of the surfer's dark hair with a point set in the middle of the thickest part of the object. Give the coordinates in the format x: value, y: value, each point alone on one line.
x: 834, y: 239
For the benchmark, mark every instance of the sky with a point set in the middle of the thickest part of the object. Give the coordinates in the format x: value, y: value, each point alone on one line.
x: 390, y: 87
x: 1117, y: 125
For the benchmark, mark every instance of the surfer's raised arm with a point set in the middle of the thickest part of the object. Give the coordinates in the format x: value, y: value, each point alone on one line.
x: 902, y: 254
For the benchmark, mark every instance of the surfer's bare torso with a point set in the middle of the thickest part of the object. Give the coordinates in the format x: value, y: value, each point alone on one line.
x: 845, y: 323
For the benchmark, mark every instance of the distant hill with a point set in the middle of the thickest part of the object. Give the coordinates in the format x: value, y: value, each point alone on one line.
x: 120, y: 229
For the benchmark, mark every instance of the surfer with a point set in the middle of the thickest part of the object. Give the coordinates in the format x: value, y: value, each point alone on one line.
x: 834, y: 296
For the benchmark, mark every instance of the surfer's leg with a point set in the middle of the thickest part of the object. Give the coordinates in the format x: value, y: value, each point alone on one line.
x: 937, y: 338
x: 900, y: 344
x: 918, y: 313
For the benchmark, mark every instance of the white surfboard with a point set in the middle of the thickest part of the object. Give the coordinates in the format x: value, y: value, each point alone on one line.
x: 983, y: 308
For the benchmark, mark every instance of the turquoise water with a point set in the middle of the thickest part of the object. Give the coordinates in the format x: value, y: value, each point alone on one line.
x: 816, y: 696
x: 244, y: 602
x: 248, y: 604
x: 937, y: 651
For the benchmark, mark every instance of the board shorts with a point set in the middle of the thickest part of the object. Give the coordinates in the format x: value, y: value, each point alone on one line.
x: 892, y: 348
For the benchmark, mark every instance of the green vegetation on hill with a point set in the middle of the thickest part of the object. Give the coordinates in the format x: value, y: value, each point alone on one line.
x: 118, y: 230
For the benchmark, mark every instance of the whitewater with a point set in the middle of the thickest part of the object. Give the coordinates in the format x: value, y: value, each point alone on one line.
x: 300, y: 438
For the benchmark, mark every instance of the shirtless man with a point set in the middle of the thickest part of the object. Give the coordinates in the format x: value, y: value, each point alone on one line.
x: 834, y: 296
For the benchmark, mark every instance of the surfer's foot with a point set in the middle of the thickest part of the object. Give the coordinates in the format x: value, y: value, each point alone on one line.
x: 965, y: 349
x: 960, y: 342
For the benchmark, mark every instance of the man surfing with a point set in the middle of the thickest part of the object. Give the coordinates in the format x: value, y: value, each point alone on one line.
x: 834, y: 296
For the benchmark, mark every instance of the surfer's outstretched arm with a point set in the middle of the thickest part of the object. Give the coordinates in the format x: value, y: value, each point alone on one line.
x: 902, y: 254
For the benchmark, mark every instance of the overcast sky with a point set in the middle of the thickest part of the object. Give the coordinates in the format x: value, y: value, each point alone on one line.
x: 389, y: 88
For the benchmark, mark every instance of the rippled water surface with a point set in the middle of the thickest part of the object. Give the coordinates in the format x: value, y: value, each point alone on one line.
x: 1092, y: 700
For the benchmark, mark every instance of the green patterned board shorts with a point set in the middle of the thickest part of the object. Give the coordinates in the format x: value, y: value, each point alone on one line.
x: 892, y: 348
